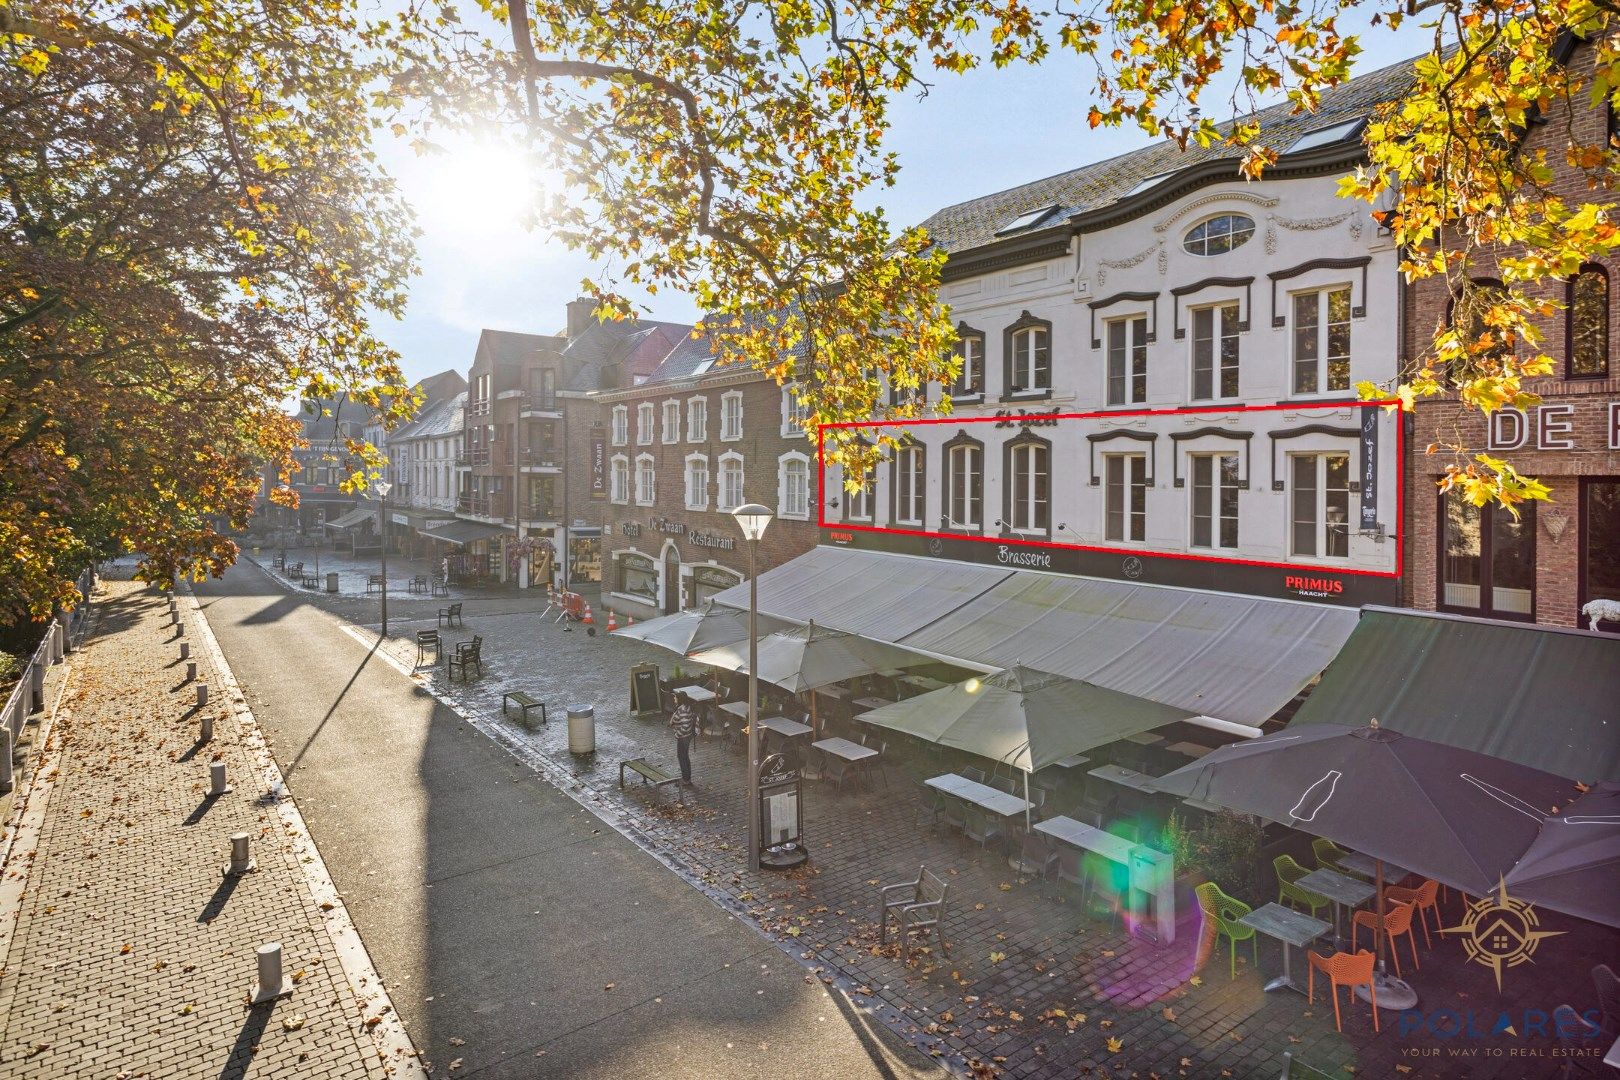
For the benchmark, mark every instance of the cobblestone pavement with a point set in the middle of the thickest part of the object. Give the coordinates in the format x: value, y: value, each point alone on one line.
x: 1032, y: 986
x: 132, y: 955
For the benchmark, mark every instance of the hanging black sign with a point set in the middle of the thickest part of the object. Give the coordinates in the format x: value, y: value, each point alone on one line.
x: 1369, y: 468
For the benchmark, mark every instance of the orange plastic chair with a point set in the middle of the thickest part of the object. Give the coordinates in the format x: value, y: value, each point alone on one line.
x: 1397, y: 921
x: 1344, y: 969
x: 1426, y: 898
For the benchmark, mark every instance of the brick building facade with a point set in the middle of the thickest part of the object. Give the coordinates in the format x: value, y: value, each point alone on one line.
x: 684, y: 448
x: 1563, y: 553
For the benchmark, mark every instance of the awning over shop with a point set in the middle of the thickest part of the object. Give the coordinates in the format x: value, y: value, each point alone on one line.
x: 870, y: 593
x: 461, y: 533
x: 1236, y: 658
x: 1539, y: 696
x: 353, y: 518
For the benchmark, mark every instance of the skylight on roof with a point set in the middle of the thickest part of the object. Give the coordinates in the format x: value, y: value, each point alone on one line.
x: 1323, y: 136
x: 1147, y: 182
x: 1027, y: 220
x: 702, y: 367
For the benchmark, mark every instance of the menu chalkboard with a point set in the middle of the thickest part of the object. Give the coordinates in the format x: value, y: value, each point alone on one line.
x: 644, y: 697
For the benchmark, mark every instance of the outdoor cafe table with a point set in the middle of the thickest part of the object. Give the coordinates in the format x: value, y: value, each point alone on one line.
x: 1289, y: 927
x: 1367, y: 867
x: 867, y: 704
x: 698, y: 695
x: 983, y: 796
x: 1115, y: 849
x: 788, y: 729
x: 922, y: 683
x: 1118, y: 774
x: 1339, y: 888
x: 1190, y: 749
x: 843, y: 748
x: 739, y: 709
x: 1145, y: 738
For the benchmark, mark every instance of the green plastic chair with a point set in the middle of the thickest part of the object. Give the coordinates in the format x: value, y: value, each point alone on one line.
x: 1288, y: 891
x: 1328, y: 855
x: 1225, y: 911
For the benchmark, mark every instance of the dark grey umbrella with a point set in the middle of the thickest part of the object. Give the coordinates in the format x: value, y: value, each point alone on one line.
x: 1460, y: 817
x: 1574, y: 864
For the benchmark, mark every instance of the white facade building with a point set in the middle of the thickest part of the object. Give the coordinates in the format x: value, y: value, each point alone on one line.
x: 1160, y: 363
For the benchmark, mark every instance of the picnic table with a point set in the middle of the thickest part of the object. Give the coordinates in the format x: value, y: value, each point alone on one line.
x: 1118, y: 774
x: 983, y: 796
x: 1342, y: 889
x: 1289, y: 927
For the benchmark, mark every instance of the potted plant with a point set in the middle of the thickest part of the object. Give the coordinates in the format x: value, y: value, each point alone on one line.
x: 1223, y: 847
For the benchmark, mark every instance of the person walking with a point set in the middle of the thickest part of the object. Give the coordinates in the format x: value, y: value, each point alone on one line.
x: 683, y: 721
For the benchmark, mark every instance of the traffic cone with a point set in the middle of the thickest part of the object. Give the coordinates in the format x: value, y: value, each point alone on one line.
x: 613, y: 621
x: 629, y: 620
x: 587, y: 620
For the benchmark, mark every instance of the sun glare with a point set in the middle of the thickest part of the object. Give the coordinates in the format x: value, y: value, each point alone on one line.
x: 476, y: 188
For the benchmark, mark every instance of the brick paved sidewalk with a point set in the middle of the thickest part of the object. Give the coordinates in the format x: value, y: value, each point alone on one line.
x: 131, y: 954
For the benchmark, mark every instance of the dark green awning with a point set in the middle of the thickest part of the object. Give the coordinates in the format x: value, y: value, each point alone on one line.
x: 1540, y: 696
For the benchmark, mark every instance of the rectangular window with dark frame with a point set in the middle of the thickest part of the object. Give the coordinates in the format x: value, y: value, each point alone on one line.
x: 1320, y: 506
x: 1322, y: 341
x: 1215, y: 352
x: 1215, y: 500
x: 1031, y: 504
x: 1125, y: 509
x: 859, y: 502
x: 1127, y: 361
x: 908, y: 486
x: 1487, y: 559
x: 970, y: 383
x: 965, y: 484
x: 1031, y: 360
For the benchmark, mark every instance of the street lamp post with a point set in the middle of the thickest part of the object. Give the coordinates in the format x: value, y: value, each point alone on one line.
x: 752, y: 519
x: 383, y: 487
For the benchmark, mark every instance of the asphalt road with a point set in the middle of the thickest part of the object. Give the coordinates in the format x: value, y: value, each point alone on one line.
x: 518, y: 934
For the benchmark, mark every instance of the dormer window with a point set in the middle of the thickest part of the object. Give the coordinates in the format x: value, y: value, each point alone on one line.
x: 1218, y: 235
x: 1325, y: 135
x: 1027, y: 220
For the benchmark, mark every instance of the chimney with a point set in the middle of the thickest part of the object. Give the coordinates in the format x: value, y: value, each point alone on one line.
x: 580, y: 315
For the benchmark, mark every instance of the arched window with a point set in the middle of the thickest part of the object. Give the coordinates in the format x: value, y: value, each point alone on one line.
x: 1467, y: 309
x: 1587, y: 324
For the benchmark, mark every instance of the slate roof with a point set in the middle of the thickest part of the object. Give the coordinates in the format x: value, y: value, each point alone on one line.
x: 438, y: 418
x: 603, y: 344
x: 508, y: 347
x: 974, y: 223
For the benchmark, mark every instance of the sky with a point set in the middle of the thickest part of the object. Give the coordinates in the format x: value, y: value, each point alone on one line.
x: 971, y: 135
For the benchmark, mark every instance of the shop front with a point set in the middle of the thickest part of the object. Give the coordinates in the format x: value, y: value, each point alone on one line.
x: 1557, y: 562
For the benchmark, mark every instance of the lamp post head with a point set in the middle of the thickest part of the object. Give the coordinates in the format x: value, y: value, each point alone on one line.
x: 383, y: 487
x: 752, y: 519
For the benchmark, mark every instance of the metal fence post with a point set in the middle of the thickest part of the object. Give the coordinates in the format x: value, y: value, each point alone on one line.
x: 6, y: 780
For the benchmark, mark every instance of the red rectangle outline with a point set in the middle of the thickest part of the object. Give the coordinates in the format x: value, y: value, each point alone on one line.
x: 1400, y: 494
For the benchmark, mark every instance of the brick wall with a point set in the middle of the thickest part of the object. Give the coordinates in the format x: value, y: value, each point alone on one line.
x: 761, y: 445
x: 1583, y: 404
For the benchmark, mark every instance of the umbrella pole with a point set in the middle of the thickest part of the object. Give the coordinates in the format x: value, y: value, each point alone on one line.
x: 1026, y: 801
x: 1378, y: 883
x: 815, y: 721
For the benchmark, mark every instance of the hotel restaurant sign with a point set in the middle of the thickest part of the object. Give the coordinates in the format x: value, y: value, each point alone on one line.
x: 1310, y: 583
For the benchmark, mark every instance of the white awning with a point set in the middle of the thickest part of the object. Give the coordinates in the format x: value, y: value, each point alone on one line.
x: 1235, y: 658
x: 353, y: 518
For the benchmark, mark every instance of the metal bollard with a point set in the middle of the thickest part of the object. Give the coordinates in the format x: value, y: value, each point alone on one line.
x: 191, y: 671
x: 216, y: 780
x: 241, y: 860
x: 185, y: 649
x: 269, y: 985
x: 202, y: 694
x: 206, y: 732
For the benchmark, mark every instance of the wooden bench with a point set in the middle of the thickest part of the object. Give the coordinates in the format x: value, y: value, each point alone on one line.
x: 450, y: 616
x: 376, y: 583
x: 524, y: 702
x: 468, y: 654
x: 650, y: 774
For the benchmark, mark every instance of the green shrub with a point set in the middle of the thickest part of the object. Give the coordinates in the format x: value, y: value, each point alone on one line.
x: 1223, y: 848
x: 11, y: 668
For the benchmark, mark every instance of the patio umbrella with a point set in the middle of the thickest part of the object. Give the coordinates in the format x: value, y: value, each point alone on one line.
x: 1454, y: 815
x: 1574, y: 863
x: 806, y: 657
x: 1024, y: 718
x: 692, y: 630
